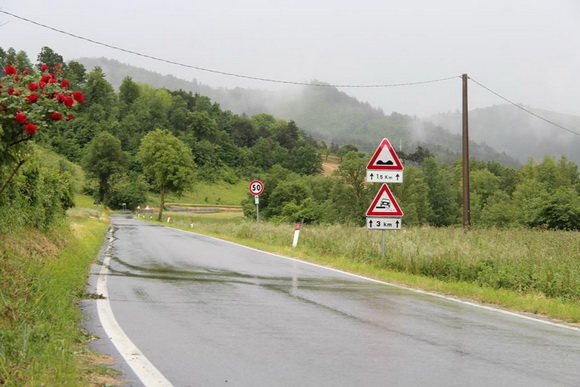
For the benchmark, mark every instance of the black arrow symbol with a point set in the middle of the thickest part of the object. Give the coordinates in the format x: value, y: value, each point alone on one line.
x: 397, y: 176
x: 371, y: 223
x: 397, y: 223
x: 372, y: 176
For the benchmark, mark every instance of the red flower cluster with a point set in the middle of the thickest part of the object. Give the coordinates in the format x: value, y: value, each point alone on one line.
x: 20, y: 118
x: 38, y: 93
x: 30, y: 128
x: 9, y: 70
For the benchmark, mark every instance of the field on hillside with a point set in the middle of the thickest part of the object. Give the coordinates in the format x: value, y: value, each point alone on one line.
x: 203, y: 193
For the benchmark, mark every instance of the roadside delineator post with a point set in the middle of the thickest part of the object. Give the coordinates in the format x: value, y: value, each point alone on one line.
x: 296, y: 235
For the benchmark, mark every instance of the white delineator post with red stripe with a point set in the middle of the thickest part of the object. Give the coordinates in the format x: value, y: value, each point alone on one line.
x: 296, y: 235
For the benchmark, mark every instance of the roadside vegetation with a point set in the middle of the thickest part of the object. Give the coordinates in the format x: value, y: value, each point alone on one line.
x: 522, y: 253
x: 43, y: 278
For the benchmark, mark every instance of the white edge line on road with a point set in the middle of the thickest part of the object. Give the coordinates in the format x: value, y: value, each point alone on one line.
x: 442, y: 296
x: 143, y: 368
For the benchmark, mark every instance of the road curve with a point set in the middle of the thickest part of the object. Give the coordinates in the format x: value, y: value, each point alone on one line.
x: 206, y: 312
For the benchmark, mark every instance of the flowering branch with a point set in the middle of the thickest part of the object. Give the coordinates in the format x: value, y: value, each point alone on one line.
x: 31, y: 102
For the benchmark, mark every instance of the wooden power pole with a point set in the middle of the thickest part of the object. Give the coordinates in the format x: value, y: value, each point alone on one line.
x: 466, y: 209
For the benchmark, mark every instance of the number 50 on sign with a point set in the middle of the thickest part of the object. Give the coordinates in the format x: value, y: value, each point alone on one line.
x: 256, y: 187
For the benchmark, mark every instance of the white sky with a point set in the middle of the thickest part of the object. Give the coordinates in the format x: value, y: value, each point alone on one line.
x: 528, y: 51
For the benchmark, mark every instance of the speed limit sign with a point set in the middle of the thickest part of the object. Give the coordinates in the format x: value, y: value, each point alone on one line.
x: 256, y: 187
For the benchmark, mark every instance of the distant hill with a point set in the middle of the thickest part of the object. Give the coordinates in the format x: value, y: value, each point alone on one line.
x: 520, y: 134
x: 502, y: 133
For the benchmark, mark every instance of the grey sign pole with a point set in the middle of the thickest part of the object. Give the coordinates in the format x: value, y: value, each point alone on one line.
x: 257, y: 201
x: 383, y: 244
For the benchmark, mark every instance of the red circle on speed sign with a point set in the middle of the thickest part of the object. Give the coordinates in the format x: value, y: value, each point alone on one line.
x: 256, y: 187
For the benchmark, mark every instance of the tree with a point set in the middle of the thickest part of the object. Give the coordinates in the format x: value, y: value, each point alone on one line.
x: 167, y: 163
x: 48, y: 57
x: 441, y: 193
x: 353, y: 171
x: 104, y: 158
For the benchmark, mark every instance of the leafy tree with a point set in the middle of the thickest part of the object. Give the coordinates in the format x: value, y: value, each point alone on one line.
x: 560, y: 212
x: 244, y: 135
x: 128, y: 190
x: 343, y: 150
x: 306, y: 160
x: 104, y: 158
x: 76, y: 73
x: 167, y: 162
x: 48, y: 57
x: 98, y: 91
x: 441, y: 194
x: 202, y: 125
x: 353, y: 171
x: 288, y: 136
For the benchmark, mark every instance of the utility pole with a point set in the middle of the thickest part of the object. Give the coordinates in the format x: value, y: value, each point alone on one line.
x: 466, y: 208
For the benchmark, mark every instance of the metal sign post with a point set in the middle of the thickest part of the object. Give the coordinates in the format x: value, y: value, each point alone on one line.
x: 257, y: 201
x: 256, y: 188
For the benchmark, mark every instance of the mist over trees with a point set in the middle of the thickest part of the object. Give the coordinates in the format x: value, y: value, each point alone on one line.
x: 117, y: 132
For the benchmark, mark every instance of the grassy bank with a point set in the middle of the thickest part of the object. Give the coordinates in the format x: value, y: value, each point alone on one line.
x: 42, y: 279
x: 525, y: 270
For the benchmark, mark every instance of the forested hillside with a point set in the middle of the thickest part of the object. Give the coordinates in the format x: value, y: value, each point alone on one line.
x: 324, y: 112
x: 142, y: 138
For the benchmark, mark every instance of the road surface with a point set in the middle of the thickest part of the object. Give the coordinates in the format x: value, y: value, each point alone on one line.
x: 205, y: 312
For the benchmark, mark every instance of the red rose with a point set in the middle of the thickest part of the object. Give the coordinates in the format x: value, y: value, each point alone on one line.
x: 68, y: 101
x: 26, y: 72
x: 32, y: 86
x: 10, y: 91
x: 43, y: 67
x: 79, y: 97
x: 10, y: 70
x: 61, y: 98
x: 45, y: 78
x: 64, y: 83
x: 56, y: 116
x: 52, y: 80
x: 21, y: 118
x: 70, y: 117
x: 30, y: 128
x: 32, y: 98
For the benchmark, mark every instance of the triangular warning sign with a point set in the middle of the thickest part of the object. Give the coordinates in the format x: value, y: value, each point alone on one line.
x: 385, y: 158
x: 384, y: 204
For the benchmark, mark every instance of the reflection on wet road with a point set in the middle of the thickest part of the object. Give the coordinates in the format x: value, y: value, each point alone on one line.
x: 206, y: 313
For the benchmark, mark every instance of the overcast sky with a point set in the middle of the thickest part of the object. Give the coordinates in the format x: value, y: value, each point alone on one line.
x: 527, y: 51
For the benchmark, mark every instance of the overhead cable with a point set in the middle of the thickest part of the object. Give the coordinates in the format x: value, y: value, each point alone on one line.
x: 224, y: 72
x: 524, y: 109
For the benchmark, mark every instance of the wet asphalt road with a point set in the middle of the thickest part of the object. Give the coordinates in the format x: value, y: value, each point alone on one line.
x: 210, y: 313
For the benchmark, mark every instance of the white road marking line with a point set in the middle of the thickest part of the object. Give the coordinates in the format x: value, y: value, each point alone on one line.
x: 442, y: 296
x: 143, y: 368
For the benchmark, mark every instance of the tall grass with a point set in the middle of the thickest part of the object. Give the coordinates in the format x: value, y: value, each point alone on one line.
x: 539, y: 264
x: 42, y: 278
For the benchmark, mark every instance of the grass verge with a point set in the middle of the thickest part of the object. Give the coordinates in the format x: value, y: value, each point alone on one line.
x: 522, y: 270
x: 42, y: 279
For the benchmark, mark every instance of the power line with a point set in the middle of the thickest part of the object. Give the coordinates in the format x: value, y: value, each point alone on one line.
x: 283, y: 81
x: 526, y: 110
x: 224, y: 72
